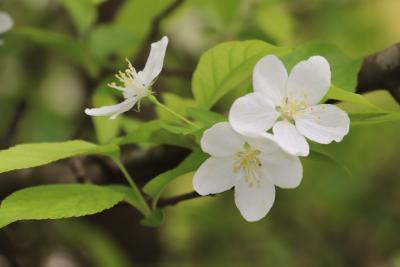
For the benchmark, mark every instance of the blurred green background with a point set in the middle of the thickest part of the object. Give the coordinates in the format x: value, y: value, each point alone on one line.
x: 60, y: 51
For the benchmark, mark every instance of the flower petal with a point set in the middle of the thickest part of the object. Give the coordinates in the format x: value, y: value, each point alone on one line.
x: 270, y: 77
x: 154, y: 62
x: 113, y: 110
x: 283, y: 169
x: 309, y: 80
x: 290, y: 139
x: 221, y: 140
x: 323, y: 123
x: 214, y: 176
x: 255, y: 201
x: 6, y: 22
x: 252, y: 114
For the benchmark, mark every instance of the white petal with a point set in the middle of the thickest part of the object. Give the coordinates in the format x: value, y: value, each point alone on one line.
x: 254, y: 202
x: 309, y: 80
x: 214, y: 176
x: 289, y: 138
x: 283, y: 169
x: 252, y: 114
x: 270, y: 77
x: 154, y: 62
x: 264, y: 142
x: 323, y: 123
x: 6, y: 22
x: 221, y: 140
x: 113, y: 110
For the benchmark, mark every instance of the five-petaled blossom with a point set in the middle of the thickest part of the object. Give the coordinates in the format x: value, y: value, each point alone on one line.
x: 289, y: 105
x: 252, y: 165
x: 6, y: 23
x: 135, y: 85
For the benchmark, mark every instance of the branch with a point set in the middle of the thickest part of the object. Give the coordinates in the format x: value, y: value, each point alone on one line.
x: 14, y: 123
x: 175, y: 200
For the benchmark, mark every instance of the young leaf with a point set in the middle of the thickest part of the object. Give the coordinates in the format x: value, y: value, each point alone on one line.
x: 56, y: 202
x: 226, y: 67
x: 158, y: 132
x: 155, y: 187
x: 32, y: 155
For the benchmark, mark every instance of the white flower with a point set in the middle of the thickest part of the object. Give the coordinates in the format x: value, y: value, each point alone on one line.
x: 136, y: 85
x: 252, y: 165
x: 6, y: 23
x: 289, y: 105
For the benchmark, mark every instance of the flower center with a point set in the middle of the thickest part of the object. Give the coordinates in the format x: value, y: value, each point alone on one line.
x: 289, y: 109
x: 132, y: 84
x: 247, y: 160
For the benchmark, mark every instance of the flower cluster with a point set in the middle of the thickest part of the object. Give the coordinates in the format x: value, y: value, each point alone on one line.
x: 247, y: 156
x: 258, y: 148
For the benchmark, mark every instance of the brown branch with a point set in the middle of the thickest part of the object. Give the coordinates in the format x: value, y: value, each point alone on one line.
x: 176, y: 199
x: 9, y: 136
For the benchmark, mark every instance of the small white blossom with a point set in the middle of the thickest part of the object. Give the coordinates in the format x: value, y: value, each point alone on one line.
x: 135, y: 85
x: 289, y: 105
x: 252, y: 165
x: 6, y: 23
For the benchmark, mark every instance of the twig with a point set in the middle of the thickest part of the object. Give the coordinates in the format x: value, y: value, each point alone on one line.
x: 175, y: 200
x: 14, y: 123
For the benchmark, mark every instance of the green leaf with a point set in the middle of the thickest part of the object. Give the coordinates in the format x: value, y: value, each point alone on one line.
x: 105, y: 128
x: 206, y: 117
x: 344, y: 69
x: 32, y: 155
x: 83, y: 13
x: 56, y: 202
x: 318, y: 153
x: 176, y: 103
x: 155, y: 187
x: 336, y: 93
x: 226, y: 67
x: 129, y: 195
x: 158, y: 132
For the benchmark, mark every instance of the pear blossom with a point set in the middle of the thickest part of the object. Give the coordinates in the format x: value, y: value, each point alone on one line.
x: 6, y: 23
x: 289, y: 105
x: 253, y: 166
x: 135, y: 85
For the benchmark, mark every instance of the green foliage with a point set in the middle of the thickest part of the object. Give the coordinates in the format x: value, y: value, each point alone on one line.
x: 56, y: 202
x: 176, y: 103
x: 155, y: 187
x: 154, y: 219
x: 158, y: 132
x: 344, y: 69
x: 206, y: 117
x: 32, y: 155
x: 129, y: 196
x: 226, y: 67
x: 61, y: 44
x: 135, y: 17
x: 97, y: 243
x: 83, y: 12
x: 105, y: 128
